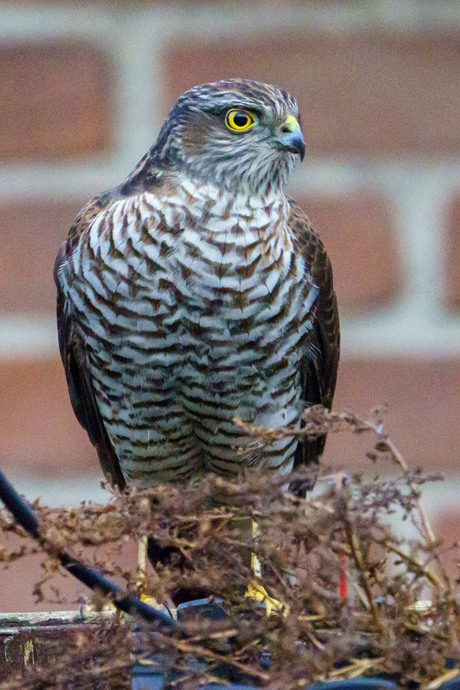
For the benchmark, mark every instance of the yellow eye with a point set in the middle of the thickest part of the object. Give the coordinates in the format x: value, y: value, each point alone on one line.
x: 239, y: 120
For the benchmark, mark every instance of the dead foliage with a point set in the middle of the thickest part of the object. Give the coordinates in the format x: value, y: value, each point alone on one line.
x: 378, y: 627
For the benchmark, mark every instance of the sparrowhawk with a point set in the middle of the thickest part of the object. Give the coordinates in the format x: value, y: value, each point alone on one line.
x: 196, y: 292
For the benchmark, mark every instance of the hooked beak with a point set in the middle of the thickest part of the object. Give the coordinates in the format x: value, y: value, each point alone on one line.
x: 291, y: 137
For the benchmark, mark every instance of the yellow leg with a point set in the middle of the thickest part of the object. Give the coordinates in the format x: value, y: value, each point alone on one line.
x: 256, y: 565
x: 142, y: 559
x: 256, y: 590
x: 142, y: 562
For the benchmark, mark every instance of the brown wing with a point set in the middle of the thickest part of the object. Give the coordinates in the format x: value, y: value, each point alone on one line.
x: 144, y: 177
x: 320, y: 364
x: 73, y: 353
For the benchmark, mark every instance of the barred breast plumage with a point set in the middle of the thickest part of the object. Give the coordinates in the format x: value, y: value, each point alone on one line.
x: 188, y: 296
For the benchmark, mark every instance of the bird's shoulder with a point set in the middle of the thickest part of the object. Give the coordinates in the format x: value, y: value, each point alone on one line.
x: 310, y: 245
x: 139, y: 182
x: 320, y: 268
x: 87, y: 214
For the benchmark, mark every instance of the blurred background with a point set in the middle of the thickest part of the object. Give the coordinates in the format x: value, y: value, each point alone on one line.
x: 84, y: 89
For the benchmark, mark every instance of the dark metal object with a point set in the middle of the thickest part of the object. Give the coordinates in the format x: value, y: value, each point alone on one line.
x: 355, y: 684
x: 211, y: 609
x: 144, y: 678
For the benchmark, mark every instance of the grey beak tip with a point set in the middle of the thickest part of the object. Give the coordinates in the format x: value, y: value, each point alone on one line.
x: 294, y: 142
x: 298, y: 145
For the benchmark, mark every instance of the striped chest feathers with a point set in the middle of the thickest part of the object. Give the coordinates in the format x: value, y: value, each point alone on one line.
x: 196, y: 261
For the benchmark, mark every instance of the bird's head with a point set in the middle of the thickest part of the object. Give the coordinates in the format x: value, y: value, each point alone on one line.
x: 235, y: 133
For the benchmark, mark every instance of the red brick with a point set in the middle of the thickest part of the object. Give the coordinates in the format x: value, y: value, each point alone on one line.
x: 452, y: 278
x: 19, y: 578
x: 359, y: 92
x: 39, y: 433
x: 423, y: 398
x: 32, y: 232
x: 54, y: 101
x: 357, y: 232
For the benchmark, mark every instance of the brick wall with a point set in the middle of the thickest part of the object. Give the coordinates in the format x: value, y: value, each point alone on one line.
x: 83, y: 91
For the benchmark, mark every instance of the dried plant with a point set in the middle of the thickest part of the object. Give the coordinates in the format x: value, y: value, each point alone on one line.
x: 379, y: 627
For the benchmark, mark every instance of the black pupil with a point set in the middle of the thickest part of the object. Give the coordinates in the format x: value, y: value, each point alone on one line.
x: 240, y: 119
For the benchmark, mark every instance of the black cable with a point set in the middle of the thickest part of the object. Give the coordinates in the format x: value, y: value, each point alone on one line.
x: 25, y: 516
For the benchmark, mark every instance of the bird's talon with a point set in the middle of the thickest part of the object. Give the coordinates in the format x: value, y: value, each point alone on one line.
x: 257, y: 592
x: 154, y: 603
